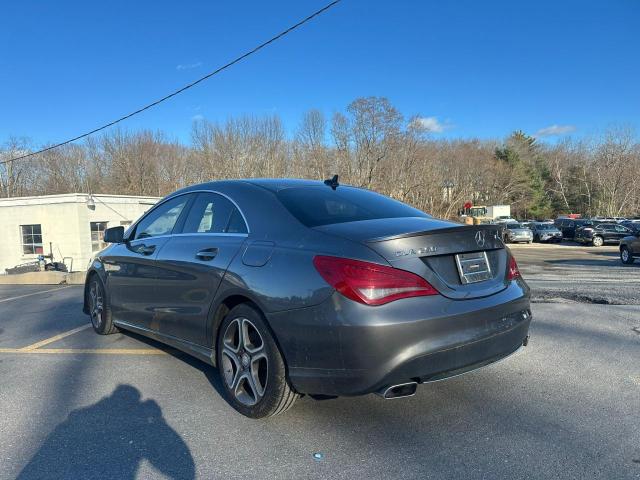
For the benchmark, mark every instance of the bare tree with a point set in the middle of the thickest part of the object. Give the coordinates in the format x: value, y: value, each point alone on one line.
x: 369, y: 145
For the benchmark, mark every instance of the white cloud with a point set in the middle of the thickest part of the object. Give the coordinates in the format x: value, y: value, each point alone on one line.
x: 188, y: 66
x: 431, y: 124
x: 197, y: 118
x: 555, y: 130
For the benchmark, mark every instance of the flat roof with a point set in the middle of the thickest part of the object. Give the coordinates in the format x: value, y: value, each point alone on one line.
x: 75, y: 198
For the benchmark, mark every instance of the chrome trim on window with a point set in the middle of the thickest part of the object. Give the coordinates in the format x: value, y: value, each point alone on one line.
x: 171, y: 197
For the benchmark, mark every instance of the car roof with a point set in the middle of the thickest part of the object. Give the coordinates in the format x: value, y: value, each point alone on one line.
x: 277, y: 184
x: 273, y: 184
x: 270, y: 184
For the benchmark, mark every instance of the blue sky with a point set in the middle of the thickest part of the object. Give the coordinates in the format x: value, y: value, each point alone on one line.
x: 470, y: 68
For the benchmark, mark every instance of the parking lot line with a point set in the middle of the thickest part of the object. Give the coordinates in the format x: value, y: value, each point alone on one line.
x: 55, y: 338
x: 95, y: 351
x: 33, y: 293
x: 36, y: 347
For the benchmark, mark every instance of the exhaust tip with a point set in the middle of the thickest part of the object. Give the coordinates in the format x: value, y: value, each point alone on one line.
x: 399, y: 391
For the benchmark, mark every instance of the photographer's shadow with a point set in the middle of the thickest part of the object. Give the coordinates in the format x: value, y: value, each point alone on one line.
x: 109, y: 439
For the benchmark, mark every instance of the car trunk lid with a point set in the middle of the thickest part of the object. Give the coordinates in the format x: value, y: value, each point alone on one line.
x: 461, y: 261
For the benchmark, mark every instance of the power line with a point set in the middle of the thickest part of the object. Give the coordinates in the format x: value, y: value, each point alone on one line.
x: 186, y: 87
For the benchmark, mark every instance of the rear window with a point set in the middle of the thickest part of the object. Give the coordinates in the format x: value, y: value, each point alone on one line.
x: 316, y: 206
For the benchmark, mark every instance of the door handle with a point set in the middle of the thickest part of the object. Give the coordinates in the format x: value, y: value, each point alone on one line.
x: 145, y: 249
x: 207, y: 254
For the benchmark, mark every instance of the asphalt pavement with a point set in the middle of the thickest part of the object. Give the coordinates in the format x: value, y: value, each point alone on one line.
x: 79, y: 405
x: 572, y: 272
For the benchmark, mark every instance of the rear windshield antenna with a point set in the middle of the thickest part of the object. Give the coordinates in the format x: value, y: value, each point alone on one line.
x: 332, y: 182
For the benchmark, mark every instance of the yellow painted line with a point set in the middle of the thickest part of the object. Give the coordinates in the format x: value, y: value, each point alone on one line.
x: 55, y: 338
x: 33, y: 293
x: 94, y: 351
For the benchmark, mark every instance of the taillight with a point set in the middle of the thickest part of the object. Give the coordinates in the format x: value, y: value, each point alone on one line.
x: 370, y: 283
x: 512, y: 270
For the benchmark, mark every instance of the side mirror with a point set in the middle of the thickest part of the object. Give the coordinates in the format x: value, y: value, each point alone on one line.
x: 114, y: 235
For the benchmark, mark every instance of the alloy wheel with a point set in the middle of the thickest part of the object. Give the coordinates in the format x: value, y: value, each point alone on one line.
x: 96, y: 304
x: 625, y: 255
x: 244, y: 361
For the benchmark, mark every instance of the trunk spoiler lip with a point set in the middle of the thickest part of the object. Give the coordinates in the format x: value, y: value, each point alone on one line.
x: 456, y: 228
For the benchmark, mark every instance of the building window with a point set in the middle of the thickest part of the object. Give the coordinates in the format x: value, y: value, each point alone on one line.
x: 31, y: 239
x: 97, y: 236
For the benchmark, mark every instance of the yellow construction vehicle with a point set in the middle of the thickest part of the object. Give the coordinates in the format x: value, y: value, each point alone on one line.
x: 474, y: 214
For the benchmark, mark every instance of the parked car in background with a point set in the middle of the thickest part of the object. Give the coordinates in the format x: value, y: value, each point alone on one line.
x: 545, y: 232
x: 516, y: 232
x: 568, y: 226
x: 598, y: 235
x: 504, y: 219
x: 297, y: 287
x: 631, y: 224
x: 630, y: 248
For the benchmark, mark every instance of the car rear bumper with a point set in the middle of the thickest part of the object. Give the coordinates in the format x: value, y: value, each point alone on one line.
x: 341, y: 347
x: 521, y: 238
x: 550, y: 238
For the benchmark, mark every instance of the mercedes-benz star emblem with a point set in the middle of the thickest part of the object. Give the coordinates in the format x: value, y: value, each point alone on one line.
x: 480, y: 238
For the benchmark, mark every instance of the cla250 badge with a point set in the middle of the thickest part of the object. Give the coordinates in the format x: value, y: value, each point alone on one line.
x: 416, y: 251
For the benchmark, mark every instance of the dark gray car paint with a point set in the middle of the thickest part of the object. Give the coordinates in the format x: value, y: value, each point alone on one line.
x: 331, y: 345
x: 374, y: 344
x: 187, y: 282
x: 632, y: 242
x: 131, y: 275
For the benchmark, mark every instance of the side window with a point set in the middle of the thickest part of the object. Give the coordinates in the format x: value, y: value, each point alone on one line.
x: 161, y: 220
x: 236, y: 223
x: 620, y: 228
x: 213, y: 213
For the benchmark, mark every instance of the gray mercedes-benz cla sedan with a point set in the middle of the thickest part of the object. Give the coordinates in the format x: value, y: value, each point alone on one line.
x: 295, y: 287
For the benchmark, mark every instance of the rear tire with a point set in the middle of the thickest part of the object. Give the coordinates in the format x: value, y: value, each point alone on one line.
x: 99, y: 310
x: 625, y: 256
x: 597, y: 241
x: 252, y: 370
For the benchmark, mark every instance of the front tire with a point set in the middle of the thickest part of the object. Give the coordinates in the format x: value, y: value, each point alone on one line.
x: 625, y: 256
x: 251, y: 367
x: 99, y: 311
x: 597, y: 241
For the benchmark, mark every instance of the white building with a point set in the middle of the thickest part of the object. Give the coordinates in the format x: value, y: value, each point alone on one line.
x: 70, y: 226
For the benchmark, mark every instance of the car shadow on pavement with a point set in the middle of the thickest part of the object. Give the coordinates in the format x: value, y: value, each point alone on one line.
x: 110, y: 439
x: 210, y: 372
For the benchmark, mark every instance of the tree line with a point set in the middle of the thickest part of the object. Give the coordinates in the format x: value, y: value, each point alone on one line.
x: 370, y: 144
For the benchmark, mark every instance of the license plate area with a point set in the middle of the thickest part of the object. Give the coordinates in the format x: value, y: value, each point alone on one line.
x: 473, y: 267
